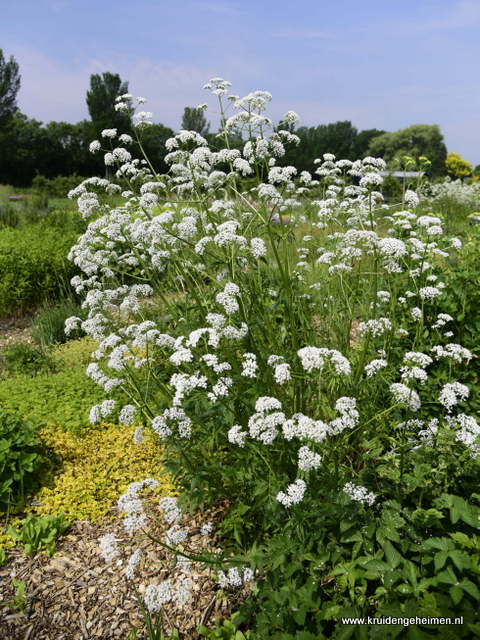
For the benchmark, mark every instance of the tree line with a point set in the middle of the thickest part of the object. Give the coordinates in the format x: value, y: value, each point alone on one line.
x: 29, y: 147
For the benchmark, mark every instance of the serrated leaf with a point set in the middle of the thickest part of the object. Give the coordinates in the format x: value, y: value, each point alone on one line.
x: 471, y: 589
x: 463, y: 539
x: 440, y: 559
x: 460, y: 559
x: 456, y: 594
x: 444, y: 544
x: 393, y: 556
x: 447, y: 576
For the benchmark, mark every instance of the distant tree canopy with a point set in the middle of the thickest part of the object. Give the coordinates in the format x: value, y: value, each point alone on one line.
x: 9, y: 86
x: 458, y: 167
x: 57, y: 148
x: 340, y: 138
x: 363, y: 140
x: 417, y: 140
x: 193, y: 119
x: 101, y: 100
x: 153, y: 140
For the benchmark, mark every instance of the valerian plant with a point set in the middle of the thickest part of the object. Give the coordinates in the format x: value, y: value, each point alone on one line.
x: 288, y: 344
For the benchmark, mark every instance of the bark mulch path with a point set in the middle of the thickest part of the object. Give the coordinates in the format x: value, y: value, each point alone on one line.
x: 15, y: 330
x: 76, y: 595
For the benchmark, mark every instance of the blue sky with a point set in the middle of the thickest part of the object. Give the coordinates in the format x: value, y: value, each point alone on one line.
x: 378, y: 63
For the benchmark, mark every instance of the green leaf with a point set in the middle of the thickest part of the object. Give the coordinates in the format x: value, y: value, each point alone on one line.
x: 376, y: 568
x: 404, y: 589
x: 444, y: 544
x: 465, y: 540
x: 411, y: 572
x: 447, y: 576
x: 460, y: 559
x: 440, y: 560
x: 456, y: 593
x: 471, y: 589
x: 393, y: 556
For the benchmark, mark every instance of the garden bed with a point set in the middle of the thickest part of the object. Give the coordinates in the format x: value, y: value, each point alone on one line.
x: 75, y: 595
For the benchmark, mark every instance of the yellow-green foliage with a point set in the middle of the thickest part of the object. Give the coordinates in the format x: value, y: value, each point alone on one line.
x: 457, y: 166
x: 95, y: 469
x: 90, y: 472
x: 75, y: 352
x: 63, y: 398
x: 90, y: 466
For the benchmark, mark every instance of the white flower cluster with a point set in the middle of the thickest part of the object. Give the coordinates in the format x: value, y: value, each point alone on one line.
x: 131, y: 504
x: 452, y: 351
x: 281, y: 370
x: 235, y: 577
x: 227, y: 298
x: 452, y: 393
x: 374, y: 366
x: 263, y: 425
x: 468, y: 432
x: 293, y: 495
x: 405, y: 395
x: 413, y: 367
x: 375, y: 328
x: 171, y: 511
x: 308, y: 459
x: 359, y: 493
x: 316, y: 358
x: 178, y: 592
x: 249, y: 365
x: 109, y: 547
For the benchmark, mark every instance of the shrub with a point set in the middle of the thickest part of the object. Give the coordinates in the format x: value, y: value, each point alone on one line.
x: 26, y: 359
x: 21, y: 457
x: 33, y: 267
x: 8, y: 217
x: 62, y: 397
x: 49, y: 323
x: 65, y: 219
x: 56, y: 187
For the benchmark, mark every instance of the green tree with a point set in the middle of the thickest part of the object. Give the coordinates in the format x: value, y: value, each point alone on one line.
x: 9, y: 86
x: 458, y: 167
x: 363, y: 140
x: 101, y: 102
x: 193, y: 119
x: 337, y: 137
x: 153, y: 140
x: 23, y: 145
x: 417, y: 140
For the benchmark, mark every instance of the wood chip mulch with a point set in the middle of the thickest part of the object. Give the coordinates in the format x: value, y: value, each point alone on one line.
x: 15, y: 330
x: 76, y: 595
